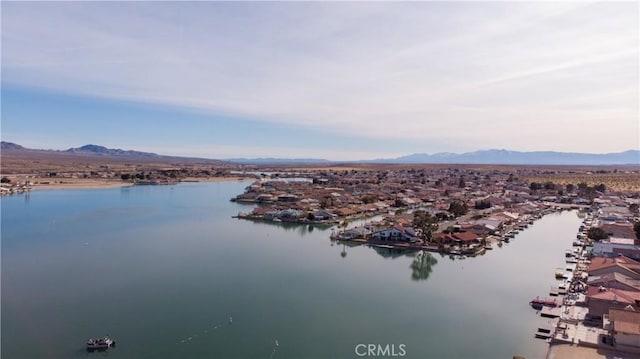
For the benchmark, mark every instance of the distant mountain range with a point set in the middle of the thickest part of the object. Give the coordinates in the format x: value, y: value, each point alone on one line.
x: 10, y: 146
x: 631, y: 157
x: 103, y: 151
x: 95, y: 152
x: 489, y: 157
x: 505, y: 157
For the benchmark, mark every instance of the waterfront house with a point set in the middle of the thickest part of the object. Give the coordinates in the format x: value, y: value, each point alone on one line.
x: 265, y: 198
x: 353, y: 233
x: 459, y: 238
x: 265, y: 212
x: 478, y: 228
x: 619, y: 230
x: 624, y: 327
x: 346, y: 212
x: 504, y: 217
x: 614, y: 212
x: 611, y: 250
x: 627, y: 266
x: 289, y: 214
x: 321, y: 215
x: 466, y: 238
x: 396, y: 233
x: 601, y: 299
x: 615, y: 280
x: 484, y: 226
x: 286, y: 197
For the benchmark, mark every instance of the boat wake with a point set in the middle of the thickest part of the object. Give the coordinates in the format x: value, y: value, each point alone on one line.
x: 275, y: 349
x: 206, y: 331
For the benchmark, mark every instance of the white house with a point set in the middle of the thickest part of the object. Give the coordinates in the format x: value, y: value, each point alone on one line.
x: 396, y: 233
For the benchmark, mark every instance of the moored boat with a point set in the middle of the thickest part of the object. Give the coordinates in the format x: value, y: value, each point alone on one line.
x: 538, y: 303
x: 100, y: 343
x: 559, y: 273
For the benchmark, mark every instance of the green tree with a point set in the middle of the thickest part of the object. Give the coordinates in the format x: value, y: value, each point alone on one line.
x: 483, y: 204
x: 597, y: 234
x: 426, y: 223
x: 590, y: 193
x: 534, y: 186
x: 458, y: 208
x: 633, y: 207
x: 5, y: 180
x: 369, y: 199
x: 636, y: 228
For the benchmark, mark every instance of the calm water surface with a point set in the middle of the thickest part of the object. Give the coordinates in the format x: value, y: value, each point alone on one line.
x: 162, y: 269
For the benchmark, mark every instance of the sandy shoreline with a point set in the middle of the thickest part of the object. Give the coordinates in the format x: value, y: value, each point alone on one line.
x: 91, y: 183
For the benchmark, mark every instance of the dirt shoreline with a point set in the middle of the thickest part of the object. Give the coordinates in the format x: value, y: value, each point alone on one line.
x: 568, y: 351
x: 91, y: 183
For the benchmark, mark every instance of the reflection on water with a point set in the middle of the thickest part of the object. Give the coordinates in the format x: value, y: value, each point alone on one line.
x: 422, y: 265
x: 301, y: 229
x: 392, y: 252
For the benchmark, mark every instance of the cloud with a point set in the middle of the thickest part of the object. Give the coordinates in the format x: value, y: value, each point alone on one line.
x: 382, y: 70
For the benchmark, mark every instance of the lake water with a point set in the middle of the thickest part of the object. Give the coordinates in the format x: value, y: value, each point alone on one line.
x: 162, y: 269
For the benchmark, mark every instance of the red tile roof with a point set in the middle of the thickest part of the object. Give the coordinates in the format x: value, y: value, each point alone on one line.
x: 625, y: 321
x: 613, y: 294
x: 598, y: 263
x: 466, y: 236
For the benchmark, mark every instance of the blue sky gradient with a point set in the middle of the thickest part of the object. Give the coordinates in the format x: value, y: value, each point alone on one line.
x: 339, y: 81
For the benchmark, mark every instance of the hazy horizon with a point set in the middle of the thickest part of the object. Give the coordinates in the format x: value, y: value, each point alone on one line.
x: 337, y: 81
x: 405, y: 156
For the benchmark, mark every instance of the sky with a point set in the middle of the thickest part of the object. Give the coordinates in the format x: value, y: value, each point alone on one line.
x: 332, y: 80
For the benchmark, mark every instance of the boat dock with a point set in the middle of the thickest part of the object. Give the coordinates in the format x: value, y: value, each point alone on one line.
x: 551, y: 312
x: 557, y: 291
x: 545, y: 332
x: 569, y: 324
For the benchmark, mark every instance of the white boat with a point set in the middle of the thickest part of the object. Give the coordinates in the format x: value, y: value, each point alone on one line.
x: 100, y: 343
